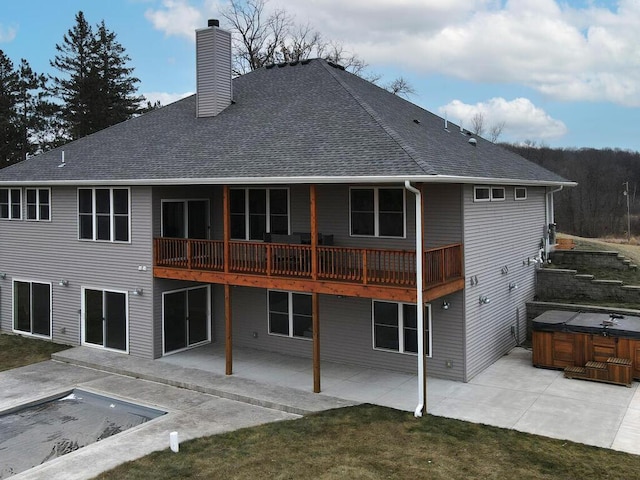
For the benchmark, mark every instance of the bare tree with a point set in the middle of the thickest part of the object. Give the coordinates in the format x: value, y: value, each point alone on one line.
x: 477, y: 124
x: 262, y: 39
x: 400, y: 86
x: 495, y: 131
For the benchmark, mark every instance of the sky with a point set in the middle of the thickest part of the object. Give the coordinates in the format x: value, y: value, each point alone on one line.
x: 558, y: 73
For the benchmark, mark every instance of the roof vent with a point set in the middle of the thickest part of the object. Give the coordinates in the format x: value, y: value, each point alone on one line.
x: 473, y: 142
x: 415, y: 120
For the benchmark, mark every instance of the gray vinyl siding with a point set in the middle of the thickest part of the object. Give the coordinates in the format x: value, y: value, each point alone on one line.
x: 50, y: 251
x: 213, y: 51
x: 442, y: 214
x: 346, y: 333
x: 498, y: 235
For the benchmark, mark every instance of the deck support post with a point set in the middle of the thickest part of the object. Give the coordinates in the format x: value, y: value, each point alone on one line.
x: 228, y: 337
x: 315, y: 312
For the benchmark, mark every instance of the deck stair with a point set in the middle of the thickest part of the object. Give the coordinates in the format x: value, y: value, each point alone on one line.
x: 614, y: 370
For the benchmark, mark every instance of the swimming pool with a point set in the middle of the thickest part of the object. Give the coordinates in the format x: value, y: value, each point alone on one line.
x: 34, y: 434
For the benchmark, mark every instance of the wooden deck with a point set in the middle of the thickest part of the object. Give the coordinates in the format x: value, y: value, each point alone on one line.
x: 362, y: 272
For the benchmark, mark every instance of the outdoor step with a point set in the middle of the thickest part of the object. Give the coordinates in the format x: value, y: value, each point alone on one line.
x: 620, y: 361
x: 596, y: 365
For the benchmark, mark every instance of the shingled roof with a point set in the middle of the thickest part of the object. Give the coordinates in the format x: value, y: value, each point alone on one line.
x: 293, y: 122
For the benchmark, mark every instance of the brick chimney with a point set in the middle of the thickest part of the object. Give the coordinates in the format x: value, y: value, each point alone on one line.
x: 214, y: 90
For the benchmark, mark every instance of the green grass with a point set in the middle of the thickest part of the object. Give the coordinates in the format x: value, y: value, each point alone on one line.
x: 371, y: 442
x: 16, y: 351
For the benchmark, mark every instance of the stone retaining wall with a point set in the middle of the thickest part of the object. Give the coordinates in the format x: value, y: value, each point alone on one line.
x: 581, y: 259
x: 561, y: 284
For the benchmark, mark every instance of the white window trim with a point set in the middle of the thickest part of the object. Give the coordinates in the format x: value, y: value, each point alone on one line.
x: 376, y: 212
x: 112, y: 215
x: 268, y: 210
x: 204, y: 342
x: 26, y: 204
x: 83, y: 312
x: 427, y: 320
x: 289, y: 312
x: 10, y: 204
x: 13, y: 308
x: 185, y: 206
x: 481, y: 187
x: 515, y: 196
x: 498, y: 199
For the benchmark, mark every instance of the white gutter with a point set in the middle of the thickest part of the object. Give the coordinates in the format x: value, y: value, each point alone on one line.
x: 419, y: 303
x: 285, y: 180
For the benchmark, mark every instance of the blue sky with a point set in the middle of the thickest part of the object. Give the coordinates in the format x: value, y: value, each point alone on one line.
x: 558, y: 73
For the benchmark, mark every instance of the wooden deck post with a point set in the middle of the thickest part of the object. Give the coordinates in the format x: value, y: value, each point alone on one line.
x: 315, y: 312
x: 228, y: 343
x: 314, y: 232
x: 226, y: 213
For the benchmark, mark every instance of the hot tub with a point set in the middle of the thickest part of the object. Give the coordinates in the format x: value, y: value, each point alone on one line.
x: 579, y: 339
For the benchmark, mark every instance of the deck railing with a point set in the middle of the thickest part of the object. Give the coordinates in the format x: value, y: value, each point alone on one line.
x: 342, y: 264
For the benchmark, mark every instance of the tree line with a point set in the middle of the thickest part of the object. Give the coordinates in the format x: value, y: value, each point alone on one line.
x: 94, y: 89
x: 597, y: 207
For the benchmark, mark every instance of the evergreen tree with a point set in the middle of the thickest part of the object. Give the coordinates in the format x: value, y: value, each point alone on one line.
x: 34, y: 112
x: 74, y: 58
x: 9, y: 150
x: 117, y: 99
x: 98, y: 89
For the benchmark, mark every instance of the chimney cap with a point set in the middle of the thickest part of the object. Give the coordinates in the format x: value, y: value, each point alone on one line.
x: 212, y: 22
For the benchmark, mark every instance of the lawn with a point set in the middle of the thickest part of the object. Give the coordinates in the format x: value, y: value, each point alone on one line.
x: 16, y: 351
x: 371, y: 442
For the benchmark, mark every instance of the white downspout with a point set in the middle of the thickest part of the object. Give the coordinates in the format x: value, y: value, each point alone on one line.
x: 549, y: 216
x: 419, y: 304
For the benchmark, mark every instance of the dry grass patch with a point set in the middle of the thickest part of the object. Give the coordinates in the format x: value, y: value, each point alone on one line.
x: 17, y: 351
x: 371, y: 442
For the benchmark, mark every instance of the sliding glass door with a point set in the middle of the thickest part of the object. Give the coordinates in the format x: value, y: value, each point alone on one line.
x: 186, y: 320
x: 105, y: 319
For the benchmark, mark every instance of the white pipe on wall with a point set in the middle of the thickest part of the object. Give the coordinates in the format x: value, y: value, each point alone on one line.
x: 422, y: 401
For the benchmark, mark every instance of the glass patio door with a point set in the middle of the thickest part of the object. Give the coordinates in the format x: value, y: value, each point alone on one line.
x: 105, y: 319
x: 185, y: 219
x: 185, y: 318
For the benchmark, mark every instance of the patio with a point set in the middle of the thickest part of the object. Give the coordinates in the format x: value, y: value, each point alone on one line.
x: 509, y: 394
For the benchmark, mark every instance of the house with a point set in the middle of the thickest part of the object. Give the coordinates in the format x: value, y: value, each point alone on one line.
x: 280, y: 210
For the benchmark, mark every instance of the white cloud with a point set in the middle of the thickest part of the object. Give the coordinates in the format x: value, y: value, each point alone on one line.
x: 7, y: 34
x: 165, y: 97
x: 567, y: 53
x: 176, y: 18
x: 522, y: 119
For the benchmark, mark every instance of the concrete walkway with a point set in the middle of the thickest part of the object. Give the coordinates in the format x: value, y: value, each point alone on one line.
x: 200, y: 401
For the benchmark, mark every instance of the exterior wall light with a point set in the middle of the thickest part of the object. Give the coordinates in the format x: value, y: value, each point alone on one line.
x: 484, y: 300
x: 63, y: 283
x: 513, y: 286
x: 138, y: 292
x: 445, y: 305
x: 3, y: 276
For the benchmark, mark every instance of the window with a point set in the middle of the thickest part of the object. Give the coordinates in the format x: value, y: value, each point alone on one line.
x: 38, y: 203
x: 497, y: 194
x: 395, y: 327
x: 11, y: 203
x: 290, y: 314
x: 377, y: 212
x: 32, y: 308
x: 520, y: 193
x: 185, y: 219
x: 256, y: 211
x: 103, y: 214
x: 488, y: 194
